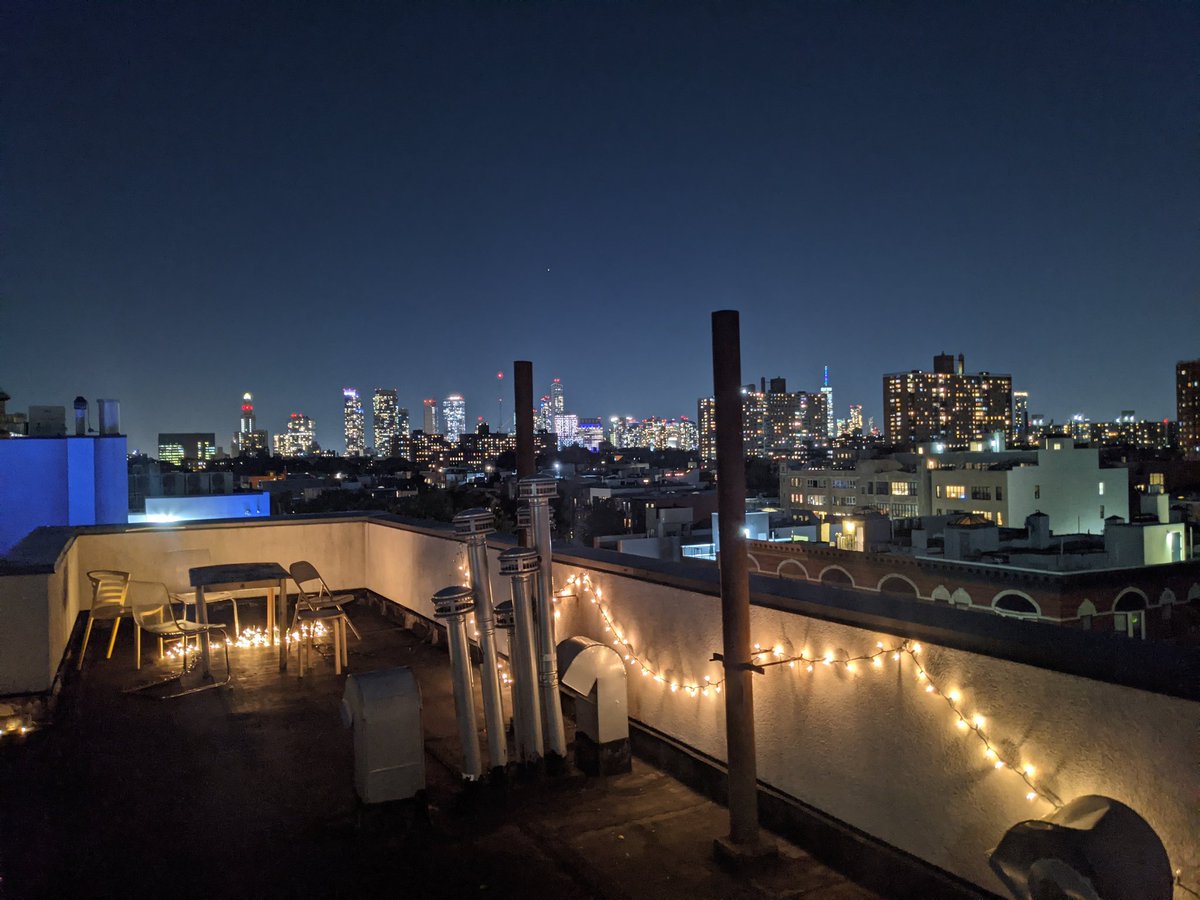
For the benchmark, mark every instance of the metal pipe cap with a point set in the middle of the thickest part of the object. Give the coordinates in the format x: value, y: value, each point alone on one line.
x: 519, y: 561
x: 538, y: 487
x: 524, y: 517
x: 505, y: 616
x: 474, y: 521
x: 452, y: 601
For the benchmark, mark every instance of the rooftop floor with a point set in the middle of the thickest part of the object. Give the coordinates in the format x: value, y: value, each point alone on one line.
x: 248, y: 791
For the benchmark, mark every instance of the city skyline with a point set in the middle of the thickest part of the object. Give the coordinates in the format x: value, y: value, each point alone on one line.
x: 418, y: 196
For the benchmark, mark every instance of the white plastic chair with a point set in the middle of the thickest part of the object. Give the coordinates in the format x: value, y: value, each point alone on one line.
x: 150, y: 605
x: 109, y: 588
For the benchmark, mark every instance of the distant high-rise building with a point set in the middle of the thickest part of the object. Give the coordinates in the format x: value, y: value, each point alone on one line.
x: 403, y: 433
x: 566, y: 426
x: 590, y: 433
x: 558, y: 402
x: 946, y: 405
x: 248, y: 438
x: 454, y: 417
x: 431, y: 417
x: 385, y: 422
x: 754, y: 414
x: 542, y: 420
x: 1020, y: 422
x: 706, y: 415
x: 299, y: 437
x: 352, y: 411
x: 856, y: 419
x: 827, y: 392
x: 180, y: 449
x: 1187, y: 406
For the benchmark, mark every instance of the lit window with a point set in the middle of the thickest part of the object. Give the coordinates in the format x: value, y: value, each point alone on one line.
x: 1101, y: 488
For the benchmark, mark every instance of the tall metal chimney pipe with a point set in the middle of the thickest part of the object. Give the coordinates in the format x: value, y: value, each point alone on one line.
x: 521, y: 564
x: 452, y: 604
x: 538, y: 490
x: 523, y: 407
x: 735, y: 579
x: 475, y: 525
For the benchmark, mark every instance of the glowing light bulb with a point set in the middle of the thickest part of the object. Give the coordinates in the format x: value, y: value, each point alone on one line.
x: 999, y: 764
x: 962, y: 724
x: 659, y: 679
x: 791, y: 664
x: 1028, y: 769
x: 896, y: 656
x: 809, y: 669
x: 674, y: 687
x: 920, y: 675
x: 989, y: 753
x: 850, y: 667
x: 978, y: 721
x: 929, y: 688
x: 877, y: 663
x: 1032, y: 795
x: 916, y: 648
x: 778, y: 650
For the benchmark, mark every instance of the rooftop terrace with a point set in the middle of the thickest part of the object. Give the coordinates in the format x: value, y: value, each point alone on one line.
x: 248, y: 791
x: 880, y: 723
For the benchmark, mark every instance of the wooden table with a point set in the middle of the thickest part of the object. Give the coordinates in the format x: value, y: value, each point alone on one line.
x: 236, y: 577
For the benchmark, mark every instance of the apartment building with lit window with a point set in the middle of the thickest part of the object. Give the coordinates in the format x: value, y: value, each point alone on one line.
x: 947, y: 405
x: 1187, y: 407
x: 1062, y: 481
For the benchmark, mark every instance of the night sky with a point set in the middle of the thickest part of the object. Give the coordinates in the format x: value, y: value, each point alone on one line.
x: 200, y: 199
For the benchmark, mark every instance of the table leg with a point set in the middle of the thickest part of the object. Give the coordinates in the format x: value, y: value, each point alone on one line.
x: 202, y: 618
x: 271, y: 615
x: 281, y: 616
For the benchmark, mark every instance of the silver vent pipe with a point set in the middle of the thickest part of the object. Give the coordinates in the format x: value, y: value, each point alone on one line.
x: 521, y: 564
x: 538, y: 490
x: 110, y: 416
x: 453, y: 604
x: 81, y: 416
x: 475, y: 525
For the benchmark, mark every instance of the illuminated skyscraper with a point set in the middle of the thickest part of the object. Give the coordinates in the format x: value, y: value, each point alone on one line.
x: 403, y: 433
x: 566, y: 426
x: 454, y: 417
x: 1187, y: 406
x: 1020, y: 422
x: 830, y: 425
x: 431, y: 416
x: 299, y: 437
x: 355, y: 427
x: 544, y: 415
x: 946, y: 405
x: 706, y: 414
x: 248, y: 438
x: 856, y: 420
x: 385, y: 423
x: 558, y: 403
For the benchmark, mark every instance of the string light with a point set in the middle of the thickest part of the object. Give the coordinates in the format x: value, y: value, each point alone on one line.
x: 972, y: 726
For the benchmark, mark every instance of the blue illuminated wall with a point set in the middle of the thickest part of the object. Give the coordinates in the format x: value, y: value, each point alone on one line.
x: 219, y: 506
x: 61, y: 481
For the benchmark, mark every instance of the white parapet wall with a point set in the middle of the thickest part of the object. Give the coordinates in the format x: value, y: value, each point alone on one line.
x: 871, y: 747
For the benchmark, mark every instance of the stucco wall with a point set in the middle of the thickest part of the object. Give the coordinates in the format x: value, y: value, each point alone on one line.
x: 872, y: 748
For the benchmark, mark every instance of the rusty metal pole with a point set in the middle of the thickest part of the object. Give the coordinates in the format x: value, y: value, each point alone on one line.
x: 523, y: 406
x: 735, y: 580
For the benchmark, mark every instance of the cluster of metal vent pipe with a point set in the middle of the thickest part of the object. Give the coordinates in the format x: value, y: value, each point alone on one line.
x: 529, y: 616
